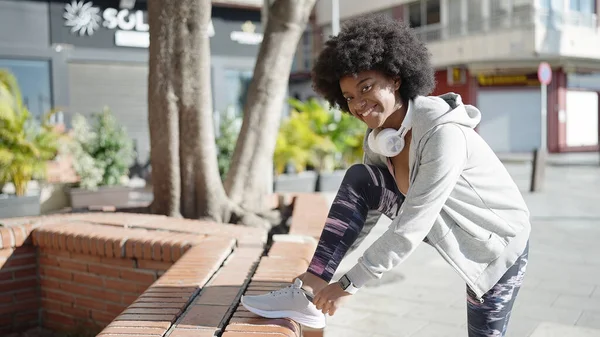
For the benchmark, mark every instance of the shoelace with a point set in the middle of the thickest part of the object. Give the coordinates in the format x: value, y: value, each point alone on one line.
x: 281, y: 291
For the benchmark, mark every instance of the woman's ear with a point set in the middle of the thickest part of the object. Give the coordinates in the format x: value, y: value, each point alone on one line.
x: 397, y: 83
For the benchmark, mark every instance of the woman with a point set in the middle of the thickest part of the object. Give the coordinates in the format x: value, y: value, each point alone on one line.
x: 424, y: 167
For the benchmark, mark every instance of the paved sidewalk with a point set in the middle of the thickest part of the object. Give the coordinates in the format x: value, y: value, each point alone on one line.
x: 423, y: 297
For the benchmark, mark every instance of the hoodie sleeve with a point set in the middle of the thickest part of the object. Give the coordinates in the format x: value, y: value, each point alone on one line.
x: 442, y: 161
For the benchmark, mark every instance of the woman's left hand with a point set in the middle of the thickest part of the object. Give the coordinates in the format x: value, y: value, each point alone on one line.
x: 330, y: 298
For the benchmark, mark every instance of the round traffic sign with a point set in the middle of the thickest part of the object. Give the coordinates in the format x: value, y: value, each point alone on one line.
x: 544, y: 73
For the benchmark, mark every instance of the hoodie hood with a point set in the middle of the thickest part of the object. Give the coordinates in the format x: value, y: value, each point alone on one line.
x: 429, y: 112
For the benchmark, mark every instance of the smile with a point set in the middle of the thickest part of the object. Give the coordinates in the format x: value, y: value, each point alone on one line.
x: 368, y: 111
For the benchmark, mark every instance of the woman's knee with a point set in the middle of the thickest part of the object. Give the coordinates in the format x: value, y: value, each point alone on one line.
x: 357, y: 175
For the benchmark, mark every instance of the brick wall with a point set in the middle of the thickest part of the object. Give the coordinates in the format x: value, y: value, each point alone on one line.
x: 19, y: 293
x: 90, y: 291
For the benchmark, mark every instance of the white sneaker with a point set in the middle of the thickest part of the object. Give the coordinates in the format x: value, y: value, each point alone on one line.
x: 290, y: 302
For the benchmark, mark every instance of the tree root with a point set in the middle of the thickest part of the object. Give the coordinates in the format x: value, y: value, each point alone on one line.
x: 264, y: 220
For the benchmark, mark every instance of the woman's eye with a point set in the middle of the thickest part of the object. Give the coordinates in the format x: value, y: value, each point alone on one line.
x: 348, y: 99
x: 367, y: 88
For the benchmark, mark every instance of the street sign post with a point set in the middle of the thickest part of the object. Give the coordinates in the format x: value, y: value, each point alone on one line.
x: 545, y: 77
x: 538, y: 171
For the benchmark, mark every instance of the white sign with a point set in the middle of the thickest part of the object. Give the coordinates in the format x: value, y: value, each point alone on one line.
x: 85, y: 19
x: 132, y: 31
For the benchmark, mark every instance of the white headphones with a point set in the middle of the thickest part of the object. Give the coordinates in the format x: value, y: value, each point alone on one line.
x: 389, y: 142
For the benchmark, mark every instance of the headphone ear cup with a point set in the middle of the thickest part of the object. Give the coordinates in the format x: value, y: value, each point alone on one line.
x: 372, y: 141
x: 389, y: 143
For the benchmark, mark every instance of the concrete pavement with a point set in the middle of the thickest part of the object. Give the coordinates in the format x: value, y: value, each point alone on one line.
x: 424, y: 297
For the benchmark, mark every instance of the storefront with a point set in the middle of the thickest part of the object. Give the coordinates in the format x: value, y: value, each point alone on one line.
x: 81, y: 57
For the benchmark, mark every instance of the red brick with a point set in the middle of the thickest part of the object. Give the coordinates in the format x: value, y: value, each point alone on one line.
x: 15, y: 285
x: 19, y: 235
x: 118, y: 262
x: 217, y: 295
x: 135, y: 323
x: 85, y: 258
x: 121, y: 285
x: 128, y: 299
x: 115, y: 309
x: 20, y: 307
x: 203, y: 316
x: 88, y: 279
x: 50, y: 305
x: 138, y: 317
x: 56, y: 273
x: 77, y: 289
x: 6, y: 275
x: 134, y: 330
x: 58, y: 296
x: 141, y: 276
x: 25, y: 273
x: 102, y: 318
x: 87, y: 303
x: 49, y: 283
x: 26, y: 295
x: 72, y: 265
x: 152, y: 311
x: 77, y: 312
x: 58, y: 318
x: 193, y: 333
x: 20, y: 261
x: 8, y: 238
x: 154, y: 265
x: 266, y: 326
x: 5, y: 298
x: 104, y: 270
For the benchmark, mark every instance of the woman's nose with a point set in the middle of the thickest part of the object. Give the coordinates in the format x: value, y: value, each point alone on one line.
x: 360, y: 104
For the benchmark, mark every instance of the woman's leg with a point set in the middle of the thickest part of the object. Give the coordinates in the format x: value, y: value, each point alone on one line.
x: 490, y: 318
x: 363, y: 188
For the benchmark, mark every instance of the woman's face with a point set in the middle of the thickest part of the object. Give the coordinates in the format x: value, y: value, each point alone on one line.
x: 372, y: 97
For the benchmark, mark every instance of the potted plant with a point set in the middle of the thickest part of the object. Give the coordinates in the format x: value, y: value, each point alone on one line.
x: 25, y: 148
x: 343, y: 135
x: 294, y: 151
x: 102, y: 153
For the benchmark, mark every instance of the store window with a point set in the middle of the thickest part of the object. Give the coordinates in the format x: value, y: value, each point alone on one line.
x: 423, y: 13
x: 237, y: 83
x: 583, y: 6
x: 475, y: 16
x: 33, y: 77
x: 455, y: 20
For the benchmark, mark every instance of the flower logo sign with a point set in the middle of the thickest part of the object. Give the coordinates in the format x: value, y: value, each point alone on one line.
x: 82, y: 17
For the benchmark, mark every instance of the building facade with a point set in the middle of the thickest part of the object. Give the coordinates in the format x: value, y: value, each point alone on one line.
x: 80, y: 56
x: 489, y: 51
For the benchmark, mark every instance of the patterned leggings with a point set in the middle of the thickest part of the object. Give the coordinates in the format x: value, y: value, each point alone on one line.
x: 368, y: 188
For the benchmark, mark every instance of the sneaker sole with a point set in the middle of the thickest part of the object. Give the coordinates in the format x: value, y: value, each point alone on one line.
x: 293, y: 315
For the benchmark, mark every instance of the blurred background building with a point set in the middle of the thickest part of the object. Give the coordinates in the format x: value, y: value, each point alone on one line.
x: 81, y: 66
x: 486, y: 50
x: 489, y: 51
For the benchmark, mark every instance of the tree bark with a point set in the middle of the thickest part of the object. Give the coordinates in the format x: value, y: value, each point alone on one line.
x: 210, y: 198
x: 247, y: 180
x: 162, y: 111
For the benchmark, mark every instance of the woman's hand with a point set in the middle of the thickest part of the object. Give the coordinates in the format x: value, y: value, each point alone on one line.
x: 330, y: 298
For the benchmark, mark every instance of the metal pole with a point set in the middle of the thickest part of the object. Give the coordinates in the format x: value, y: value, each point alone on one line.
x: 544, y: 121
x: 335, y: 17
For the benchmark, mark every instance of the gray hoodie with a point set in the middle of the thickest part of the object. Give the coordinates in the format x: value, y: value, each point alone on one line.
x: 461, y: 200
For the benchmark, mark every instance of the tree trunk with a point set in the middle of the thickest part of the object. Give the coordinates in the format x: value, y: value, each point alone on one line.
x: 180, y: 83
x: 247, y: 180
x: 162, y: 111
x: 210, y: 200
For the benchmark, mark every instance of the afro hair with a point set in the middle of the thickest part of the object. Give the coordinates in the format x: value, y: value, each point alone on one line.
x: 373, y: 42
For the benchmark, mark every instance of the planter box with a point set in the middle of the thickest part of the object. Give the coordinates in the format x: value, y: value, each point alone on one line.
x: 13, y: 206
x: 117, y: 196
x: 303, y: 182
x: 330, y: 181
